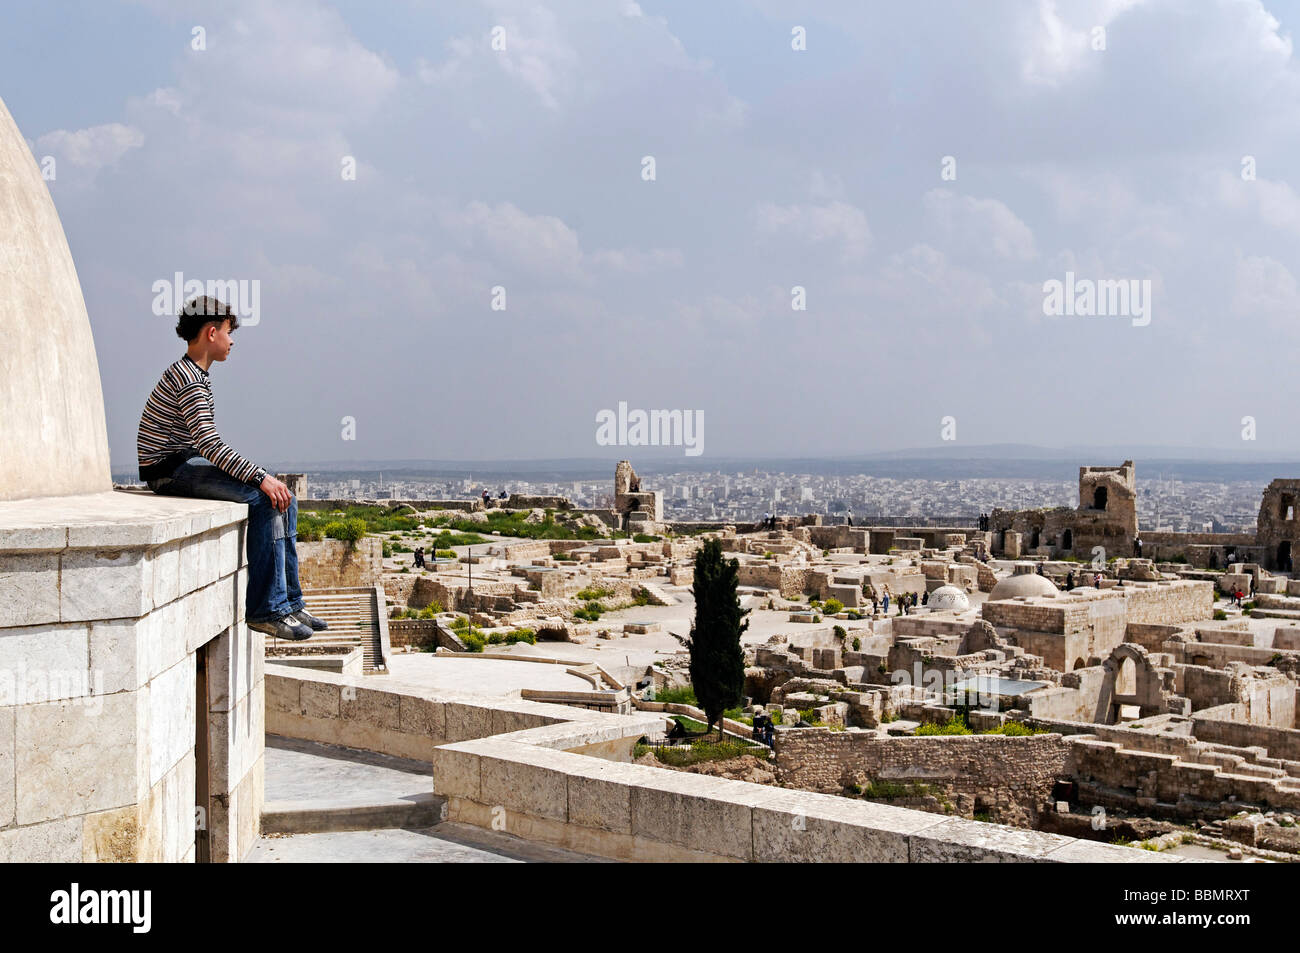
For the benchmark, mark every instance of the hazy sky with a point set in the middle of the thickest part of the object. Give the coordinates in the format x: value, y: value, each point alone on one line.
x: 774, y: 168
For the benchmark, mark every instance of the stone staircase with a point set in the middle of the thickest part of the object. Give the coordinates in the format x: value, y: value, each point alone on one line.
x: 357, y: 616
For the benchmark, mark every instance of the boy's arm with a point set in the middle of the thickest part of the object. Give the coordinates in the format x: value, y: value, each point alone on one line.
x: 197, y: 411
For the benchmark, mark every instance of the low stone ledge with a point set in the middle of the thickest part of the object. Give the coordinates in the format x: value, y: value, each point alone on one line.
x: 108, y: 520
x: 531, y: 782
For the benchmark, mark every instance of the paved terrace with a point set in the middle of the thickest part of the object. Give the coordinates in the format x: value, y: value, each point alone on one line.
x: 560, y: 777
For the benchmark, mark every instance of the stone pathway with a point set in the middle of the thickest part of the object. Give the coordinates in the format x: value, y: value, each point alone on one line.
x: 330, y: 781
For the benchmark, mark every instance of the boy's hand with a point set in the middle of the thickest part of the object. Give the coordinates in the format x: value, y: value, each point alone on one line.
x: 277, y: 491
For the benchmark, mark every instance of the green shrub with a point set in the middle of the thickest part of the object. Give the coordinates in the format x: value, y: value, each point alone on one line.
x: 591, y: 612
x: 521, y: 635
x: 349, y: 530
x: 386, y: 549
x: 857, y: 644
x: 590, y: 594
x: 444, y: 554
x: 840, y: 632
x: 641, y: 598
x: 953, y: 726
x: 1014, y: 729
x: 1220, y: 615
x: 683, y: 695
x: 832, y: 606
x: 643, y: 538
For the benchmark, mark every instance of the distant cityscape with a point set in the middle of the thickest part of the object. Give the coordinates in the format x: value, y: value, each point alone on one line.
x: 1167, y: 505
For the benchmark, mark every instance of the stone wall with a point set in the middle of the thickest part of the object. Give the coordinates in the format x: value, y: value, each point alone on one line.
x: 1225, y: 725
x: 1170, y: 604
x: 788, y: 580
x: 1009, y: 777
x: 106, y: 600
x: 467, y: 506
x: 519, y: 501
x: 565, y: 782
x: 329, y: 563
x: 1187, y: 782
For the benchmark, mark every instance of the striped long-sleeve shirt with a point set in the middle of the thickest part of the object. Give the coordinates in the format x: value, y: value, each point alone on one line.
x: 178, y: 416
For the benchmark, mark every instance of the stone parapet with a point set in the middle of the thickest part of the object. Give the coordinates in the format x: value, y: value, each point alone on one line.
x: 560, y: 775
x: 107, y: 601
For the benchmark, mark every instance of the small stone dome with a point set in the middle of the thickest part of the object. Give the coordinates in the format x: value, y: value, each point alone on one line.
x: 1025, y: 582
x: 948, y: 599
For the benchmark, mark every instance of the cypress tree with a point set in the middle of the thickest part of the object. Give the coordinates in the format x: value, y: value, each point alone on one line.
x: 717, y: 660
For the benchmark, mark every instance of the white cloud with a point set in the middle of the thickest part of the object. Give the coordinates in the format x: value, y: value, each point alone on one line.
x: 1274, y: 203
x: 92, y: 148
x: 634, y: 261
x: 1265, y: 292
x: 979, y: 225
x: 1056, y: 48
x: 541, y: 243
x: 835, y: 223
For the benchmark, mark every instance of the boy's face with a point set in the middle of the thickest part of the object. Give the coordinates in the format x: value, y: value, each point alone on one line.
x: 219, y: 340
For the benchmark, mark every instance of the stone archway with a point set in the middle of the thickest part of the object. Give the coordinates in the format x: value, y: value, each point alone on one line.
x: 1131, y: 680
x: 1284, y: 556
x: 1099, y: 498
x: 1067, y: 540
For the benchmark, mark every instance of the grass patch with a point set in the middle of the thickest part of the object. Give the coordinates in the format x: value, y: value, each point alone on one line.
x: 376, y: 519
x: 683, y: 695
x: 512, y: 524
x: 701, y: 751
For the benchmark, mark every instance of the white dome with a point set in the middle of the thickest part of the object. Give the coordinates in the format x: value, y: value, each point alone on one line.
x: 949, y: 598
x: 1023, y: 584
x: 53, y: 439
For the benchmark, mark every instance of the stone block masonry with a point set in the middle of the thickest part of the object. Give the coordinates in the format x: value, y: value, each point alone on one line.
x: 1010, y: 778
x: 559, y: 775
x: 110, y: 601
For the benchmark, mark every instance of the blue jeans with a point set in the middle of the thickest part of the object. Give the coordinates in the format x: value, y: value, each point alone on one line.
x: 273, y: 590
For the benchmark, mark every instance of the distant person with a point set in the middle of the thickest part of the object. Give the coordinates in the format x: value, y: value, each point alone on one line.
x: 925, y: 599
x: 1069, y: 579
x: 1039, y: 570
x: 850, y: 517
x: 885, y: 601
x: 767, y: 519
x: 502, y: 495
x: 181, y: 454
x: 1137, y: 547
x: 419, y: 557
x: 1096, y: 580
x: 486, y: 497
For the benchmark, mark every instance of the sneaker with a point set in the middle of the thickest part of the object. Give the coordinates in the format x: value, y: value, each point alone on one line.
x: 286, y: 627
x: 306, y: 618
